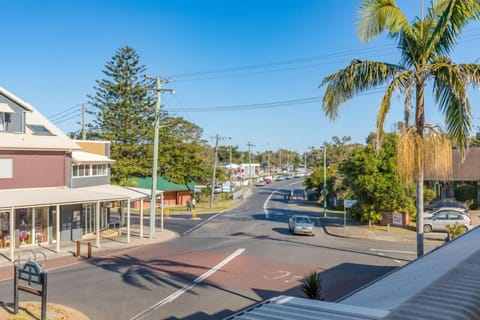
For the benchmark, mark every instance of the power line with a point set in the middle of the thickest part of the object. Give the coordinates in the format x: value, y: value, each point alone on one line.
x: 265, y: 105
x: 65, y: 110
x: 284, y: 62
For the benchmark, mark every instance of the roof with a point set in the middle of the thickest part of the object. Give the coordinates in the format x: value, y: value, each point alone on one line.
x: 443, y: 284
x: 467, y: 170
x: 284, y: 307
x: 79, y: 157
x: 58, y: 141
x: 19, y: 198
x: 127, y: 192
x: 22, y: 198
x: 162, y: 184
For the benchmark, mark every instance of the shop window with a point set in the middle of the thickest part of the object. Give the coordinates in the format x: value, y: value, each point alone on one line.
x: 4, y: 230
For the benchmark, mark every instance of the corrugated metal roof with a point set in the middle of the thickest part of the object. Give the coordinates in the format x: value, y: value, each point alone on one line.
x: 397, y: 287
x: 287, y: 308
x: 162, y: 184
x: 444, y: 284
x: 455, y: 295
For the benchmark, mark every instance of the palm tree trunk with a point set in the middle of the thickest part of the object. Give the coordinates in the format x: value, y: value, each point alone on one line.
x: 420, y: 125
x: 420, y: 235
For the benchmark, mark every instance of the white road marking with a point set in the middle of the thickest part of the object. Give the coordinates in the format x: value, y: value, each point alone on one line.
x: 283, y: 274
x: 392, y: 251
x: 201, y: 224
x: 265, y: 210
x: 179, y: 292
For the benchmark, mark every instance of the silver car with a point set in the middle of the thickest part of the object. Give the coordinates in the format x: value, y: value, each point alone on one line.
x: 448, y: 217
x: 300, y: 225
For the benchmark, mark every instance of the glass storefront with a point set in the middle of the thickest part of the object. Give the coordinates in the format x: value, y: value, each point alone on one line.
x: 23, y: 226
x: 41, y: 225
x: 4, y: 229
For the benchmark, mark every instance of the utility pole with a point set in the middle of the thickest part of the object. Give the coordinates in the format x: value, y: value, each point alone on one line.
x: 217, y: 138
x: 153, y: 199
x: 250, y: 161
x: 324, y: 190
x: 84, y: 125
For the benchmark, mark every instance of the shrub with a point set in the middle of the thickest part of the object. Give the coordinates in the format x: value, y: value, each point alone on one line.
x: 312, y: 286
x: 466, y: 193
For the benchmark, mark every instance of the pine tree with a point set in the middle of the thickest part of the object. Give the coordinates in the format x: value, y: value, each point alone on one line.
x: 125, y: 107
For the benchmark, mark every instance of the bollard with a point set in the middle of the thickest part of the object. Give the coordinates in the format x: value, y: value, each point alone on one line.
x: 78, y: 248
x: 89, y: 252
x: 194, y: 214
x: 388, y: 227
x: 167, y: 212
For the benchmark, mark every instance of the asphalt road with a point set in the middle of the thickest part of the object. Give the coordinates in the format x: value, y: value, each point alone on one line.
x: 235, y: 260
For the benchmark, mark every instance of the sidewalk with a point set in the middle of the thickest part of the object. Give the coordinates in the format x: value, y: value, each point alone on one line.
x: 66, y: 256
x: 380, y: 233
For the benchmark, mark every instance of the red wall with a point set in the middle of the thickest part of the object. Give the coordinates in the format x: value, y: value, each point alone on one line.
x: 33, y: 169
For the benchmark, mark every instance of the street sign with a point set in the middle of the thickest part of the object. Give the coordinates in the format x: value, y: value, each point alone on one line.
x: 324, y: 192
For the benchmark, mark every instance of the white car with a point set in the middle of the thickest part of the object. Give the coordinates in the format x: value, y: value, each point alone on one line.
x: 439, y: 221
x: 300, y: 225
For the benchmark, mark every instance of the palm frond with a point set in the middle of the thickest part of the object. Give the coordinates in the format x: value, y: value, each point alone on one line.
x: 451, y: 92
x: 399, y: 83
x: 449, y: 24
x: 359, y: 76
x: 376, y: 16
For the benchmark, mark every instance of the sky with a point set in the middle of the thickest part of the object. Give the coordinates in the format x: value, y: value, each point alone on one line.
x: 246, y: 70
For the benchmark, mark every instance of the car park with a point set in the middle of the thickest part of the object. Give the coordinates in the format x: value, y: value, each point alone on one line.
x: 300, y: 225
x: 439, y: 221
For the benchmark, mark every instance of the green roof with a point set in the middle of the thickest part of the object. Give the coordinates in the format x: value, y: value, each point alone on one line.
x: 162, y: 184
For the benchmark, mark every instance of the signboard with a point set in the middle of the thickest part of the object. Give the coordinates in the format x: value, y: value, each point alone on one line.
x: 32, y: 279
x: 397, y: 219
x: 348, y: 203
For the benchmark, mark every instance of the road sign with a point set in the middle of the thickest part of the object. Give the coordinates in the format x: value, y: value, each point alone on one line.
x: 324, y: 192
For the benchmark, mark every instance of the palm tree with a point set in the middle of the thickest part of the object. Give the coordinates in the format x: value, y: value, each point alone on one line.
x: 424, y: 45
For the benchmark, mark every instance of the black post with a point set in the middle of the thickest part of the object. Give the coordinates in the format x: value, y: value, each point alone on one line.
x: 15, y: 290
x: 44, y: 295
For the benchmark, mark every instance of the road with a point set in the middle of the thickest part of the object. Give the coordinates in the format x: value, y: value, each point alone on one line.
x: 235, y: 260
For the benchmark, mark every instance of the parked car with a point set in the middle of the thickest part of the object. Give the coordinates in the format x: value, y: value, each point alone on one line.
x: 429, y: 214
x: 445, y: 203
x: 300, y: 225
x: 268, y: 180
x: 260, y: 183
x: 439, y: 221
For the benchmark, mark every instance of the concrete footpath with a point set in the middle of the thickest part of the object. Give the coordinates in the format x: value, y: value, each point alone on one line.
x: 49, y: 259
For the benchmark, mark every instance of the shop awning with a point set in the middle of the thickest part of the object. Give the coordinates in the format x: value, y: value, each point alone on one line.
x: 21, y: 198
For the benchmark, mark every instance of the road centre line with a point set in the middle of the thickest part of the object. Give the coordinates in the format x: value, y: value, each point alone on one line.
x: 392, y: 251
x: 179, y: 292
x: 265, y: 210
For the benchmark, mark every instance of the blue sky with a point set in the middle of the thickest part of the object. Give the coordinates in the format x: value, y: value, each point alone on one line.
x: 237, y: 54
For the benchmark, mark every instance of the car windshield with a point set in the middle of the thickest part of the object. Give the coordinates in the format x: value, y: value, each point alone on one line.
x: 303, y: 220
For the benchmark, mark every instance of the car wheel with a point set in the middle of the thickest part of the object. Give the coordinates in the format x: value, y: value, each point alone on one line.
x: 464, y: 229
x: 427, y: 228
